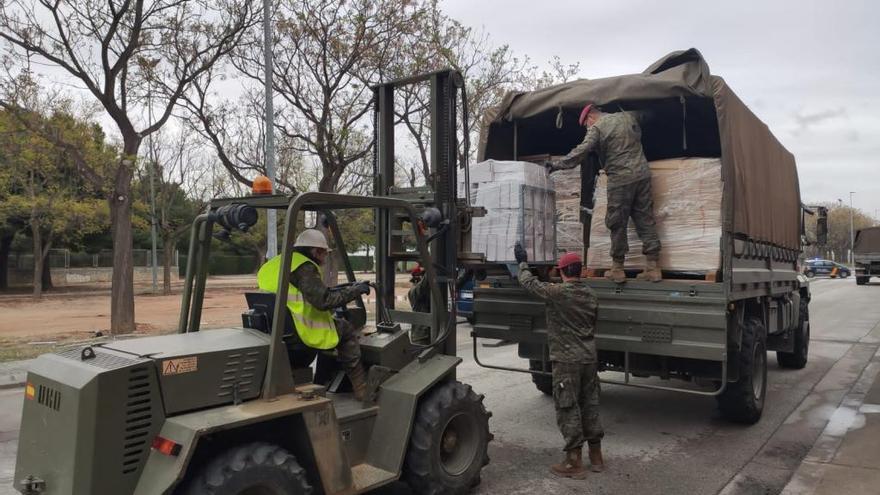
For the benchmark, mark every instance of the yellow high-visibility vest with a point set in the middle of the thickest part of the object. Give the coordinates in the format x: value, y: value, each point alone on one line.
x: 315, y: 327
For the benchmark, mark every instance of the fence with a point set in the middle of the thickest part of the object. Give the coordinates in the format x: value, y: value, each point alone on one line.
x: 64, y: 258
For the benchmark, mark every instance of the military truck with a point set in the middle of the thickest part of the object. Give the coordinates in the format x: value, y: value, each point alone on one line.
x: 713, y: 328
x: 866, y: 254
x: 243, y: 411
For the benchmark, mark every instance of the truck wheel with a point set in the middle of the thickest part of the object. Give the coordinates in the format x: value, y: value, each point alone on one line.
x: 743, y: 400
x: 543, y: 383
x: 449, y: 443
x: 862, y: 280
x: 254, y: 469
x: 798, y: 358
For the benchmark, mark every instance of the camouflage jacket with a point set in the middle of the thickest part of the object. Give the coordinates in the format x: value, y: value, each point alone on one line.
x: 617, y: 139
x: 571, y: 317
x: 307, y: 278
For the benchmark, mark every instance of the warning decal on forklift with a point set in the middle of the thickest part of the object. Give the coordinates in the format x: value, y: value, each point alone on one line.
x: 180, y: 366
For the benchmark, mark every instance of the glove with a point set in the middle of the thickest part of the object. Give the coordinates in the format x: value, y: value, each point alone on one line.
x: 362, y: 287
x: 520, y: 254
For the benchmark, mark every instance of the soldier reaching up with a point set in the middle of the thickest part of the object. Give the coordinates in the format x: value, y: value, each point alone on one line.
x: 571, y: 336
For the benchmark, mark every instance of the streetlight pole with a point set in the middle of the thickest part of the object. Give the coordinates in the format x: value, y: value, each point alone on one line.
x: 852, y: 238
x: 271, y: 233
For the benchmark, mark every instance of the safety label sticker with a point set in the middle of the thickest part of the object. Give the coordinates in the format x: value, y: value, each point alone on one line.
x: 180, y: 365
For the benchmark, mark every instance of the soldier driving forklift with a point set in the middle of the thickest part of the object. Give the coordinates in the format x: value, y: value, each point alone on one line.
x: 236, y: 411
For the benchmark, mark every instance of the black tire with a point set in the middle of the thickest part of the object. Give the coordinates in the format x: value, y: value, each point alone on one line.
x: 809, y: 274
x: 844, y: 274
x: 862, y: 280
x: 797, y: 359
x: 254, y: 469
x: 449, y: 443
x: 543, y: 383
x: 743, y: 400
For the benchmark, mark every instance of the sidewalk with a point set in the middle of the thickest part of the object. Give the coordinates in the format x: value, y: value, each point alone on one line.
x: 13, y: 373
x: 846, y: 456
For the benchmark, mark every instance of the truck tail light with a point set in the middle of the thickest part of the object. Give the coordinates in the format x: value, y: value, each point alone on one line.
x: 165, y: 446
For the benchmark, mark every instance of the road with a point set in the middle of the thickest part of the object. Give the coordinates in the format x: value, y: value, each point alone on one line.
x: 656, y: 442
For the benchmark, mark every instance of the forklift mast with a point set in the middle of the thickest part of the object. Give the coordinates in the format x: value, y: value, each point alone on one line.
x: 438, y: 195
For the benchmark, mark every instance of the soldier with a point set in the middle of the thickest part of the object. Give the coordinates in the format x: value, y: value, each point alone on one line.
x: 616, y: 137
x: 419, y: 297
x: 310, y: 303
x: 571, y: 331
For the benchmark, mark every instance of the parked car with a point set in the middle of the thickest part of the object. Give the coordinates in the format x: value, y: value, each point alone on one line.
x: 816, y: 267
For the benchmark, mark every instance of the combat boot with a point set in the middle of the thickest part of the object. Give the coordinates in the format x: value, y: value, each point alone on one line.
x: 597, y: 464
x: 571, y: 467
x: 616, y: 273
x: 358, y: 382
x: 652, y: 272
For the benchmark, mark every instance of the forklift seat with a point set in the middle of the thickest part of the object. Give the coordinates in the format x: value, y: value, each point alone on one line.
x: 259, y: 317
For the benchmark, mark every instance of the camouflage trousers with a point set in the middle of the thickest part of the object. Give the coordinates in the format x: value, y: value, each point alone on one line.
x: 632, y: 201
x: 348, y: 351
x: 576, y: 396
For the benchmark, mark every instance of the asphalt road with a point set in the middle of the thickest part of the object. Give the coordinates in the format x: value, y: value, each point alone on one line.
x: 656, y: 442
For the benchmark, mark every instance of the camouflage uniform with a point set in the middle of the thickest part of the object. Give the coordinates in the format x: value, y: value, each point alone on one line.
x: 308, y: 280
x: 419, y: 297
x: 617, y: 139
x: 572, y: 309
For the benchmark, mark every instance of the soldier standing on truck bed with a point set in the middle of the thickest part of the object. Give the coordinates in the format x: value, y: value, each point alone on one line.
x: 310, y: 303
x: 571, y: 335
x: 617, y: 139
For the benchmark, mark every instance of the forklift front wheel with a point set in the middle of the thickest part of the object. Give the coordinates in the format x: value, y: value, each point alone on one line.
x: 449, y: 443
x: 253, y: 469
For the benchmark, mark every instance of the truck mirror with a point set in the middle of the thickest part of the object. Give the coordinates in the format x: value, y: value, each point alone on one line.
x: 822, y: 227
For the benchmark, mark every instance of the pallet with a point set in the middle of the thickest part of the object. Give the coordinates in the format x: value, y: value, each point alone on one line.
x: 668, y: 275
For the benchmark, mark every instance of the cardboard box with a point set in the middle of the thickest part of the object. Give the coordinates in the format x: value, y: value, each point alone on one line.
x: 687, y: 209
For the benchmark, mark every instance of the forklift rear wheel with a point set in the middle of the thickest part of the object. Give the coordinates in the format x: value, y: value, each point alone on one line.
x: 743, y: 400
x: 543, y: 383
x: 253, y: 469
x: 449, y: 443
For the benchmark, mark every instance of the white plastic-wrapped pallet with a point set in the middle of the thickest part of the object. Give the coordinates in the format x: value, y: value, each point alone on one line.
x: 687, y: 209
x: 520, y: 207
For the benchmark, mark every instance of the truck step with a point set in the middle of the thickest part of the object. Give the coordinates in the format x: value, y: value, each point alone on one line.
x: 366, y: 477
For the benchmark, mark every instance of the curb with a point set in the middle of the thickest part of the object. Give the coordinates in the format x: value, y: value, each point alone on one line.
x: 13, y: 374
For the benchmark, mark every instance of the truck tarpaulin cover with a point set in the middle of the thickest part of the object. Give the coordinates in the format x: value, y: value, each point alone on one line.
x: 867, y: 241
x: 761, y: 191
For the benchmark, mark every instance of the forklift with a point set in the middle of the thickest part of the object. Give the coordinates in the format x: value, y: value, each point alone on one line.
x: 244, y: 411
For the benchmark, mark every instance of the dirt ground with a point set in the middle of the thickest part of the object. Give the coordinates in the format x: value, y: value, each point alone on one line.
x: 29, y: 328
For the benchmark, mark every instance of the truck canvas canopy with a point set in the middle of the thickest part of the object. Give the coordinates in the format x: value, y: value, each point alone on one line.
x: 685, y: 111
x: 867, y: 241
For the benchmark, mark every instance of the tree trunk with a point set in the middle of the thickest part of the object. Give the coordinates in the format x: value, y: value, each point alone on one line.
x: 5, y: 250
x: 167, y: 259
x: 46, y: 278
x: 38, y: 258
x: 122, y: 281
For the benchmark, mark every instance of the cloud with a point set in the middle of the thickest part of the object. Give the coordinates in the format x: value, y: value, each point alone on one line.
x: 806, y: 120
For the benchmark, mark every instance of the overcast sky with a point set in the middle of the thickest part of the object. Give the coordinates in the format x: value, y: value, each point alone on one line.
x: 809, y: 69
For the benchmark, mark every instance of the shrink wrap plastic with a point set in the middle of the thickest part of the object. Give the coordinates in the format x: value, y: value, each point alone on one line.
x: 687, y: 209
x: 520, y: 206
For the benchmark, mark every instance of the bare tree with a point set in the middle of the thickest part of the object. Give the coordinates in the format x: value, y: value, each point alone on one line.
x: 327, y: 53
x: 118, y: 50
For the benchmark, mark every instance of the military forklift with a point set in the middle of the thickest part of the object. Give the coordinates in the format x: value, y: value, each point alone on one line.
x: 240, y: 411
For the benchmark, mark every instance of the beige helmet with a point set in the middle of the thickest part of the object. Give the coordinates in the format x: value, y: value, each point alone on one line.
x: 311, y: 238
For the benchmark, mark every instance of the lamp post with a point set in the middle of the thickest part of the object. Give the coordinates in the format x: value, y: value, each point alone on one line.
x: 271, y: 240
x: 852, y: 238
